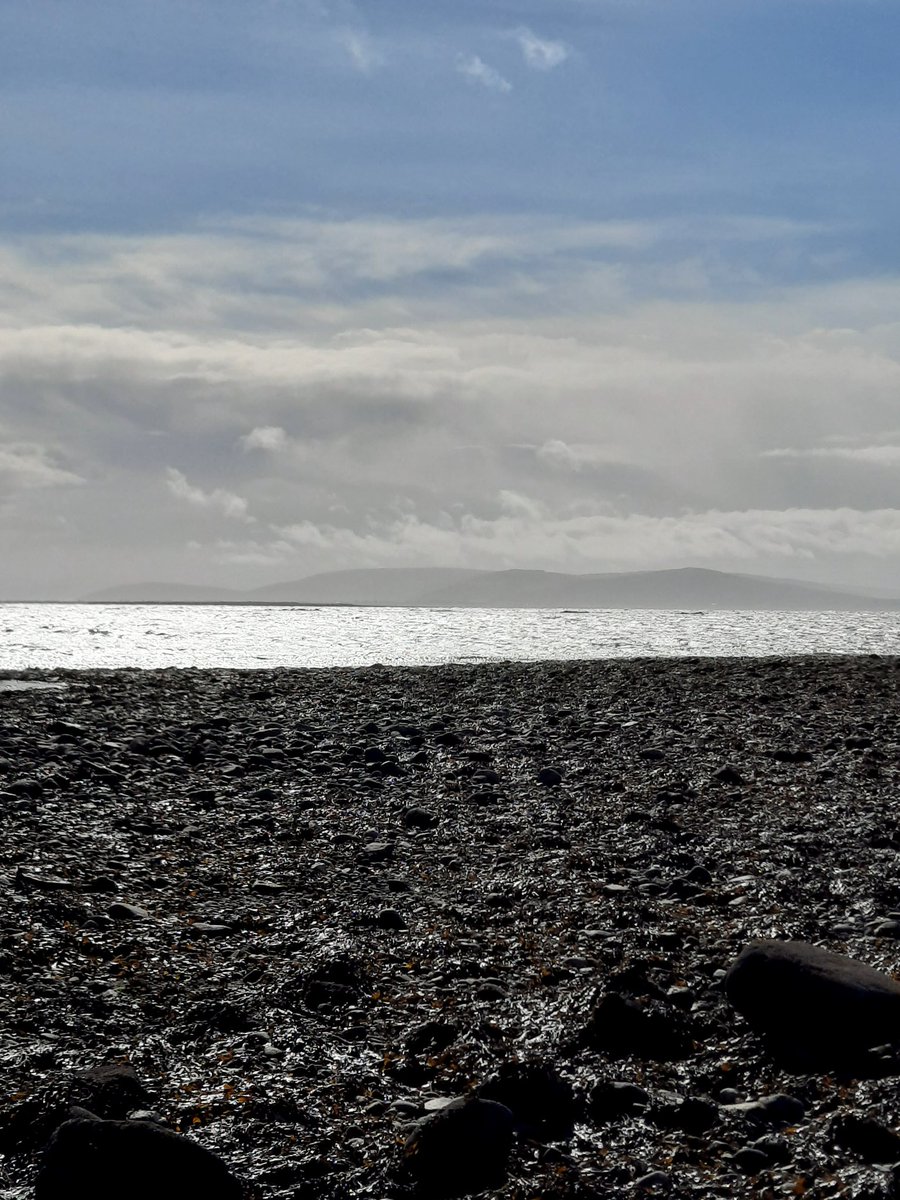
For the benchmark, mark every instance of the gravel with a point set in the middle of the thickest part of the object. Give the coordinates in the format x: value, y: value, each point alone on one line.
x: 292, y: 913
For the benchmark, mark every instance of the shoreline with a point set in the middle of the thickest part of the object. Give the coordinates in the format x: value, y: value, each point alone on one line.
x: 674, y: 661
x: 332, y: 862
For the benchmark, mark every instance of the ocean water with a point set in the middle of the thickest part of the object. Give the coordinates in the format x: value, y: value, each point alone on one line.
x: 173, y: 635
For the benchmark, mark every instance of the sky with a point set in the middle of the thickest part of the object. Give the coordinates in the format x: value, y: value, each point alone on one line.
x: 582, y: 285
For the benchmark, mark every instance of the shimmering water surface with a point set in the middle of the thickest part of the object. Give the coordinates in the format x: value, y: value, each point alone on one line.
x: 157, y: 635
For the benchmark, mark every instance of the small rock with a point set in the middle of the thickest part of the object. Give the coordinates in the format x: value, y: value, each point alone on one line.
x: 486, y: 775
x: 433, y: 1035
x: 549, y: 777
x: 142, y: 1114
x: 406, y: 1108
x: 792, y: 756
x: 68, y: 728
x: 390, y: 918
x: 420, y: 818
x: 751, y: 1160
x: 694, y: 1116
x: 654, y: 1181
x: 491, y: 991
x: 376, y: 852
x: 43, y: 883
x: 26, y: 787
x: 485, y: 797
x: 102, y: 883
x: 609, y: 1100
x: 127, y: 912
x: 778, y: 1109
x: 729, y: 775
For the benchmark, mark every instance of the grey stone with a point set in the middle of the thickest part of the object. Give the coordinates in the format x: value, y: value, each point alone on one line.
x: 817, y: 1007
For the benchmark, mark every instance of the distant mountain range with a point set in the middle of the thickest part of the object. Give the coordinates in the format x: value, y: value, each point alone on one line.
x: 451, y: 587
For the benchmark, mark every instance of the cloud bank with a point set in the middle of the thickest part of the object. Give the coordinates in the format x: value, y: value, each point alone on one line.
x: 254, y: 400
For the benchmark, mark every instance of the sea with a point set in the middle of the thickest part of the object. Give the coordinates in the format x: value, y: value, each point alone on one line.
x: 87, y: 636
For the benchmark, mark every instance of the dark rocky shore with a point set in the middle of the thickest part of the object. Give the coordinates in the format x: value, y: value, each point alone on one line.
x: 289, y: 915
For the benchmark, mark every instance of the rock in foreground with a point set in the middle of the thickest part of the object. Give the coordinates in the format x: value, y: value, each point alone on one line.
x: 818, y: 1008
x: 108, y: 1160
x: 462, y: 1149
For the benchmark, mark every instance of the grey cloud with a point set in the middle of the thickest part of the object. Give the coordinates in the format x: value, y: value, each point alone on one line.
x: 27, y: 465
x: 381, y: 426
x: 578, y: 475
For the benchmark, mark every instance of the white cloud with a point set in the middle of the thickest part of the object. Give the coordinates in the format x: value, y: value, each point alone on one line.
x: 476, y: 70
x: 878, y: 455
x: 540, y: 53
x: 26, y: 465
x: 365, y: 54
x: 219, y: 500
x: 270, y: 438
x: 270, y: 274
x: 564, y: 456
x: 527, y: 534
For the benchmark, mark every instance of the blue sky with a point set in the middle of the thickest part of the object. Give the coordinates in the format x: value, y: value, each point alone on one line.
x: 142, y: 114
x: 525, y: 234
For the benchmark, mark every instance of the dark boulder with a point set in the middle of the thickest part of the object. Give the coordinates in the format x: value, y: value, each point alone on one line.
x: 774, y: 1110
x: 106, y: 1160
x: 464, y: 1148
x: 729, y: 775
x: 332, y: 983
x: 420, y: 818
x: 818, y: 1008
x: 693, y: 1115
x: 390, y: 918
x: 541, y: 1101
x: 621, y: 1026
x: 110, y: 1090
x: 868, y: 1138
x: 610, y: 1100
x: 433, y: 1036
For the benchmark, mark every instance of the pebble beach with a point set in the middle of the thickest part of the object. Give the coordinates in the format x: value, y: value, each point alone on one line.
x: 293, y: 916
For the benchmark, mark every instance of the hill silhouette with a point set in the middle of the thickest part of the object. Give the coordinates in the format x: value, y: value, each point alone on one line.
x: 452, y: 587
